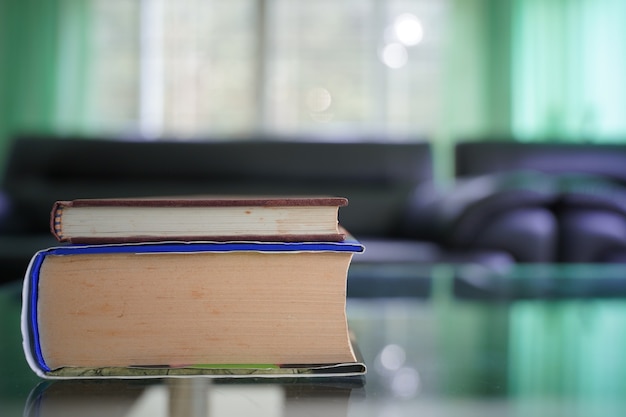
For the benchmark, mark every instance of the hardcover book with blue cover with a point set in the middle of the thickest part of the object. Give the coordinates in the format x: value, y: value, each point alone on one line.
x: 217, y: 309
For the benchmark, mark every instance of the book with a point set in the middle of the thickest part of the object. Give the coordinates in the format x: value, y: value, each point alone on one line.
x: 221, y: 218
x: 159, y: 309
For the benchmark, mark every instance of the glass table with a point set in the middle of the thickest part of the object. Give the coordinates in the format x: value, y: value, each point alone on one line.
x: 538, y: 340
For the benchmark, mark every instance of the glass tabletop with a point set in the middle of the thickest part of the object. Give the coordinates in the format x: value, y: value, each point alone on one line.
x: 531, y: 340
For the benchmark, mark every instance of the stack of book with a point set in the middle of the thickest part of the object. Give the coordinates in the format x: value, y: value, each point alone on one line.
x: 191, y: 286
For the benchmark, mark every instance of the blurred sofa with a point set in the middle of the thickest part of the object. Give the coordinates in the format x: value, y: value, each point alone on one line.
x: 510, y: 202
x: 377, y: 176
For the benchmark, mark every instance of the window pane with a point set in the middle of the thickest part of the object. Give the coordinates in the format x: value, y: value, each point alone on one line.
x: 114, y: 66
x: 209, y: 70
x: 320, y: 60
x: 340, y: 65
x: 414, y: 96
x: 238, y: 66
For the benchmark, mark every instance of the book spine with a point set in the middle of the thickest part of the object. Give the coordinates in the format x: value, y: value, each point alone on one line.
x: 56, y: 220
x: 29, y: 326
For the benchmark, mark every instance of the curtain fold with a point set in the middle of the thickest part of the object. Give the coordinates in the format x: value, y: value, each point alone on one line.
x: 478, y: 69
x: 43, y: 73
x: 28, y: 66
x: 74, y: 94
x: 477, y: 90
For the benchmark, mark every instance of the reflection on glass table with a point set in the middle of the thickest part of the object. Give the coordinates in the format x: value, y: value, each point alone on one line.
x: 467, y: 348
x: 185, y: 397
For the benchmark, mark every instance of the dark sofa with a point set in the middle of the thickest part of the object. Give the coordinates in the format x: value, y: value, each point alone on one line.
x: 376, y: 177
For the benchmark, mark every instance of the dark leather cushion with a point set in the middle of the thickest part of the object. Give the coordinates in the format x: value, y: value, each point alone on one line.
x: 591, y: 235
x: 529, y: 234
x: 508, y: 211
x: 592, y: 217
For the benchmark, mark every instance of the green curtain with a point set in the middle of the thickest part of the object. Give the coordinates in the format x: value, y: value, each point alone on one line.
x: 43, y: 48
x: 537, y: 70
x: 74, y: 110
x: 568, y: 61
x: 477, y: 77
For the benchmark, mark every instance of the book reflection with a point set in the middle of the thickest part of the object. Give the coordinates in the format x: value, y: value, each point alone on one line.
x: 187, y: 397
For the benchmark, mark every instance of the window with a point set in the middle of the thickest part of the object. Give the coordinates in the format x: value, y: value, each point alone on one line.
x: 196, y: 68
